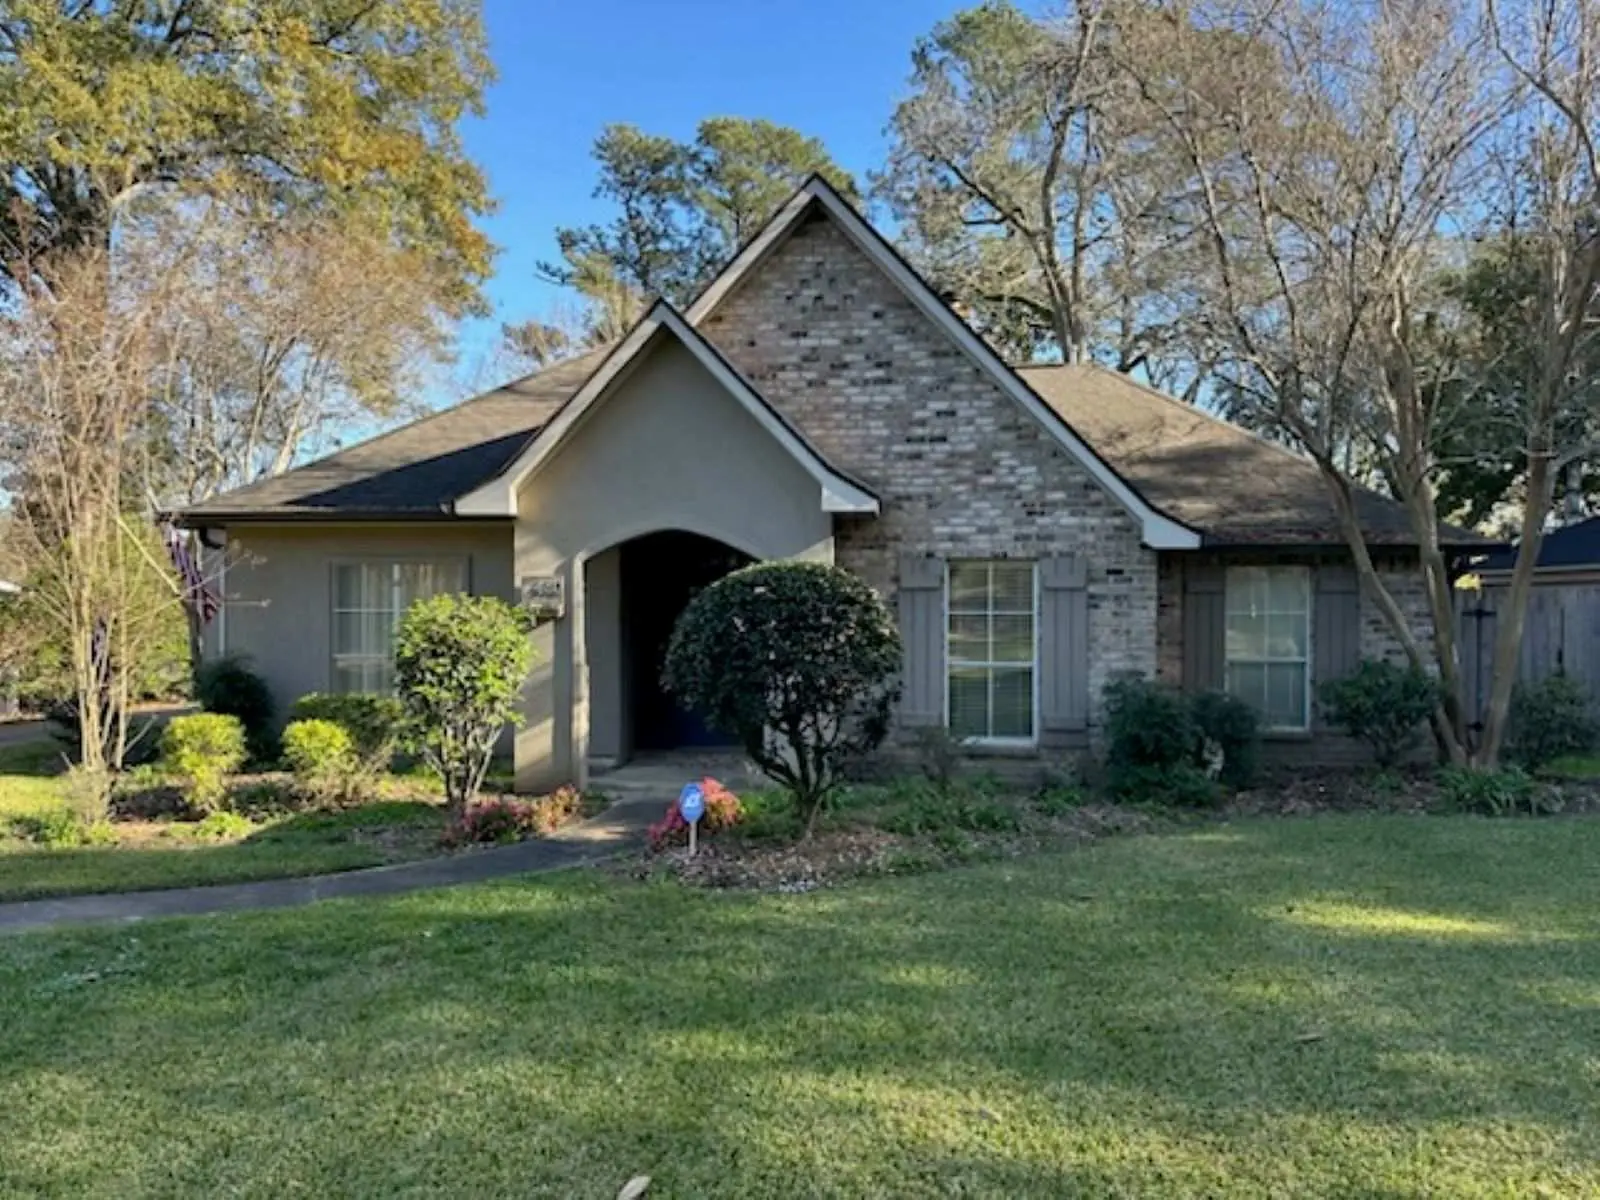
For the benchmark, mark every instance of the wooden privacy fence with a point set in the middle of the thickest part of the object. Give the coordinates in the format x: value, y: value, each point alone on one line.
x: 1561, y: 633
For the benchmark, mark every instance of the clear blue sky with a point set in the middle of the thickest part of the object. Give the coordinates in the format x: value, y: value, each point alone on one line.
x: 831, y: 68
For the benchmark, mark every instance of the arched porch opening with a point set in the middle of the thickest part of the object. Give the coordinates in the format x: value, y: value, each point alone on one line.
x: 635, y: 592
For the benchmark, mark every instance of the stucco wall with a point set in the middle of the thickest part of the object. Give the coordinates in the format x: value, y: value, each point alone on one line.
x: 666, y: 448
x: 279, y: 587
x: 962, y: 470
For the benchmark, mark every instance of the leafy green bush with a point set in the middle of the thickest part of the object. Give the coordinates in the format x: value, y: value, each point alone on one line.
x: 1495, y: 793
x: 215, y: 827
x: 1155, y: 747
x: 1178, y: 785
x: 323, y: 758
x: 1059, y: 799
x: 63, y: 829
x: 200, y: 751
x: 798, y: 661
x: 1548, y: 720
x: 229, y: 687
x: 373, y: 722
x: 1383, y: 704
x: 459, y: 665
x: 1234, y: 728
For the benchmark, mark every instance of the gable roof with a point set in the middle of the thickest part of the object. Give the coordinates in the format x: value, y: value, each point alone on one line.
x: 497, y: 497
x: 1209, y: 473
x: 1160, y: 529
x: 1576, y: 545
x: 418, y: 470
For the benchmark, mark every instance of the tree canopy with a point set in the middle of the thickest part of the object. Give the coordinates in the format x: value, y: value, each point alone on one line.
x: 682, y: 211
x: 343, y: 107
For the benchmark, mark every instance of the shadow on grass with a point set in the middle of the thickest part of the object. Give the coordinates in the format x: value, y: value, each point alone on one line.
x: 1341, y: 1006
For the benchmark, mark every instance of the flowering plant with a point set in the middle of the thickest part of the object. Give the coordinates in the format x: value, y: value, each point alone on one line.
x: 723, y: 811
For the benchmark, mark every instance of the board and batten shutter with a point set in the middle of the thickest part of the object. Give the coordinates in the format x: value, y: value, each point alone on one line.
x: 922, y: 635
x: 1063, y: 644
x: 1205, y: 598
x: 1335, y: 623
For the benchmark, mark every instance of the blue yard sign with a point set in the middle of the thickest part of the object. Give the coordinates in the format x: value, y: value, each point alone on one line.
x: 692, y: 806
x: 692, y: 803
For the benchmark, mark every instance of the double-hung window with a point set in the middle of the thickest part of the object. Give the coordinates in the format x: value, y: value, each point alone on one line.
x: 1269, y: 643
x: 992, y: 651
x: 369, y: 598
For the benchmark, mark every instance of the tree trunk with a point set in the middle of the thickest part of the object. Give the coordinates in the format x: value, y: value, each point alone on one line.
x: 1513, y: 613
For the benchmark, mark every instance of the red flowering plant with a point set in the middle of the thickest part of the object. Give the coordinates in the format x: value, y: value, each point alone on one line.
x: 723, y: 811
x: 503, y: 819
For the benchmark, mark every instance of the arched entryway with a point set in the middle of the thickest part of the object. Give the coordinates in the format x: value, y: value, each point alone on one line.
x: 636, y: 592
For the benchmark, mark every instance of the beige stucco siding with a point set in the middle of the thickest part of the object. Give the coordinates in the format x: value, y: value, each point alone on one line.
x: 279, y: 584
x: 666, y: 448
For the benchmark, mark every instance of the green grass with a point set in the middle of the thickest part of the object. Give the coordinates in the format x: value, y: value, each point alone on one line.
x: 156, y: 855
x: 1345, y: 1006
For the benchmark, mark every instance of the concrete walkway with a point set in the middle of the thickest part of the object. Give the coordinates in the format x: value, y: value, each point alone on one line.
x: 621, y: 827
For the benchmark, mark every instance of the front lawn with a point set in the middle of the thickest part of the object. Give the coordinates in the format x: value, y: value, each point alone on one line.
x: 1338, y: 1006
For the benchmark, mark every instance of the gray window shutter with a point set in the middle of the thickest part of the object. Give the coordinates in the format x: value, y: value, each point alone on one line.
x: 1335, y: 623
x: 1205, y: 598
x: 1063, y: 644
x: 923, y: 634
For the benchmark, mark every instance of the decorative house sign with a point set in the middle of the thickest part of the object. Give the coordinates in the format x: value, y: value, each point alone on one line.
x: 545, y: 596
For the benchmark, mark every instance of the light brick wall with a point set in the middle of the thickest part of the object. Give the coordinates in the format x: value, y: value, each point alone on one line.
x: 1403, y: 579
x: 961, y: 469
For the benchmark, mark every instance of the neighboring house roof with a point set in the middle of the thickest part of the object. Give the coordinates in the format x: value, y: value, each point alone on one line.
x: 1238, y: 487
x: 1576, y: 545
x: 497, y: 497
x: 418, y: 470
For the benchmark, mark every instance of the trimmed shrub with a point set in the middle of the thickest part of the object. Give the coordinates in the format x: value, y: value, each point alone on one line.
x: 1148, y: 725
x: 229, y: 687
x: 1234, y: 729
x: 505, y: 819
x: 1385, y: 705
x: 200, y: 751
x: 1495, y: 793
x: 723, y: 811
x: 459, y: 665
x: 373, y: 722
x: 1548, y: 720
x: 323, y: 758
x: 798, y: 661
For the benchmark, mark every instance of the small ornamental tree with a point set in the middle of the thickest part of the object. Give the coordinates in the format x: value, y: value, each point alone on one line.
x: 459, y: 664
x: 796, y: 660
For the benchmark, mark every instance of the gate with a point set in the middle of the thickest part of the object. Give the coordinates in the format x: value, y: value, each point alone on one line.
x: 1561, y: 633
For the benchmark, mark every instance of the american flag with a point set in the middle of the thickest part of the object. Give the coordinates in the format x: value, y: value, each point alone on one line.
x: 196, y: 592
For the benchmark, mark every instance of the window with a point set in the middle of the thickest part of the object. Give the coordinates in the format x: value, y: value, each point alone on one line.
x: 1269, y: 643
x: 992, y: 653
x: 369, y: 599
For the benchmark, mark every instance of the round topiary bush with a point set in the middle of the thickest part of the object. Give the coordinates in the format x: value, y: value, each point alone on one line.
x: 323, y: 757
x: 201, y: 750
x: 796, y: 660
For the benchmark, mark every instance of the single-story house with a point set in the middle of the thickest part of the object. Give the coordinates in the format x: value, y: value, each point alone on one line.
x: 1039, y: 531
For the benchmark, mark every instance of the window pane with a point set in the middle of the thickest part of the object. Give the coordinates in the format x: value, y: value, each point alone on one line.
x: 1247, y: 637
x: 1286, y: 590
x: 1246, y: 589
x: 346, y: 633
x: 347, y: 586
x: 1013, y: 587
x: 969, y: 587
x: 1286, y: 637
x: 1286, y: 695
x: 1013, y: 703
x: 1248, y: 681
x: 1013, y: 639
x: 969, y: 702
x: 346, y: 678
x: 969, y: 638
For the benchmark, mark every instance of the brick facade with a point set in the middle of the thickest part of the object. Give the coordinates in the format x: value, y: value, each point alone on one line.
x: 962, y: 470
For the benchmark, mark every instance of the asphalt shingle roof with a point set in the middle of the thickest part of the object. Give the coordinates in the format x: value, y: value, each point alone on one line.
x: 1232, y: 486
x: 1576, y: 545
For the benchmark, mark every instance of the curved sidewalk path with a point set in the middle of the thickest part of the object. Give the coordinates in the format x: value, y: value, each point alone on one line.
x: 619, y: 828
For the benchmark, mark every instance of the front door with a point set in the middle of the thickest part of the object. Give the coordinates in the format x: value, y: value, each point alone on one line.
x: 661, y: 573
